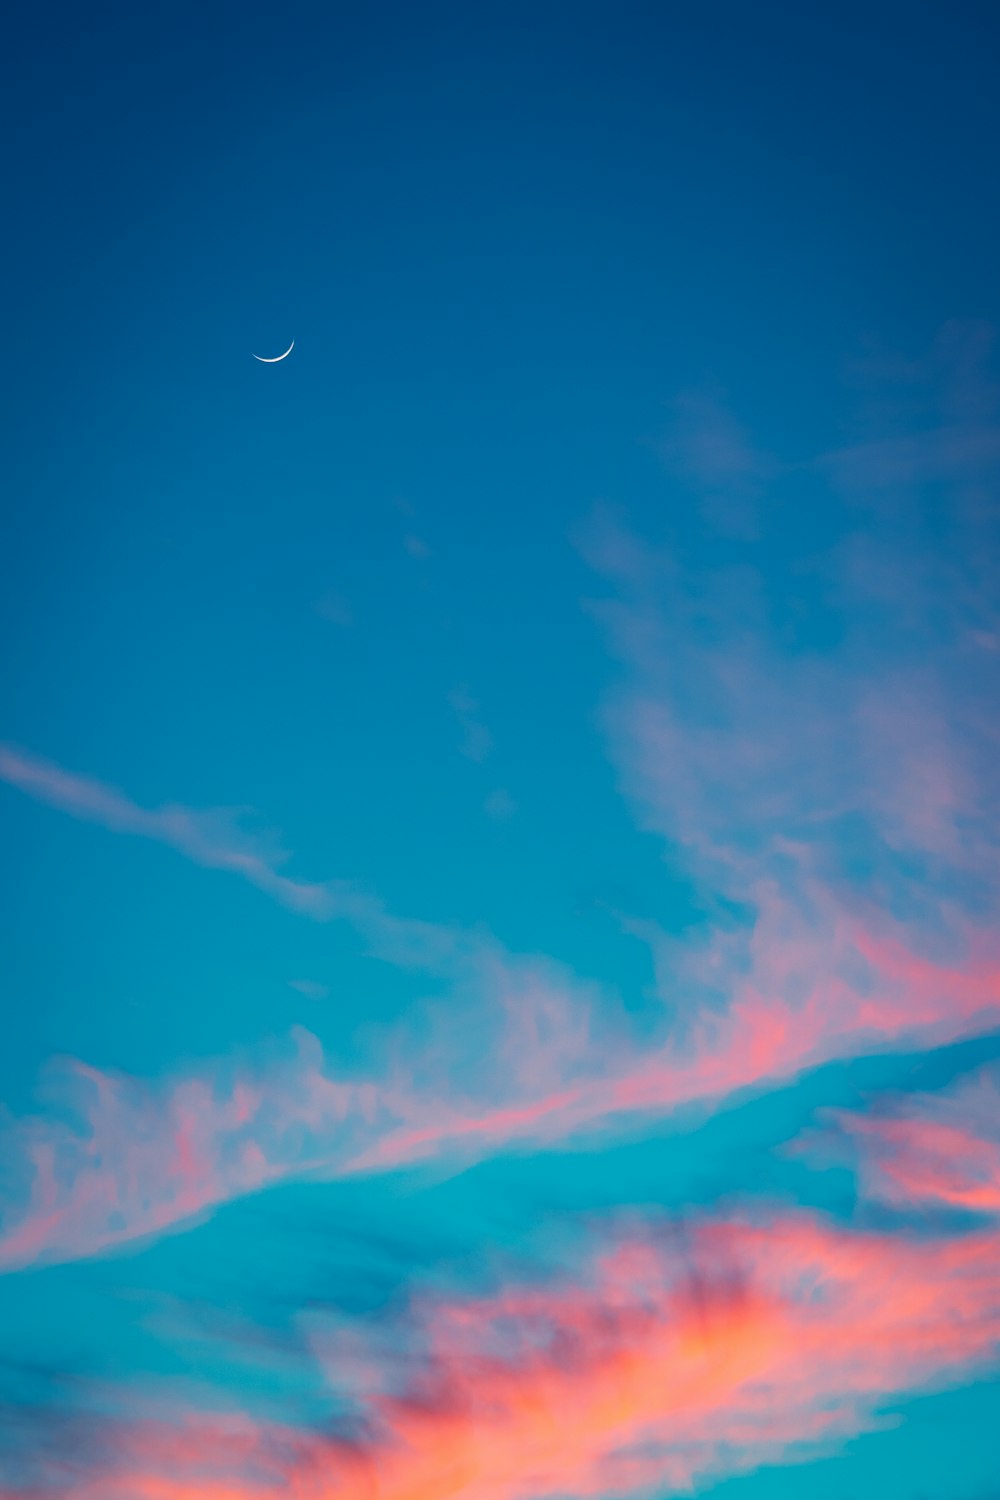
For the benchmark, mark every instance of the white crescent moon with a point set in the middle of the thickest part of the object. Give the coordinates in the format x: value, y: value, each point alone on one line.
x: 277, y: 358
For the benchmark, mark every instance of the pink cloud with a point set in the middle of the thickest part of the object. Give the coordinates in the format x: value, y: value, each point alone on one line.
x: 649, y: 1367
x: 818, y: 691
x: 750, y: 759
x: 145, y: 1157
x: 762, y: 1038
x: 833, y: 795
x: 936, y: 1150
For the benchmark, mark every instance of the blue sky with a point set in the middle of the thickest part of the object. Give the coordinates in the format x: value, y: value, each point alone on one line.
x: 499, y: 809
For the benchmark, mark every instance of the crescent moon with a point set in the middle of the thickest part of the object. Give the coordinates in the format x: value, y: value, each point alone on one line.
x: 277, y: 358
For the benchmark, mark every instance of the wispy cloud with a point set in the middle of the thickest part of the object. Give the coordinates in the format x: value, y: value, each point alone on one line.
x: 809, y: 730
x: 810, y: 724
x: 927, y: 1150
x: 550, y: 1064
x: 653, y: 1362
x: 211, y: 837
x: 826, y: 773
x: 144, y: 1158
x: 216, y: 839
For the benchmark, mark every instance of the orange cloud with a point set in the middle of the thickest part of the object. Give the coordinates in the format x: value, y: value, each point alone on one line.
x: 647, y: 1371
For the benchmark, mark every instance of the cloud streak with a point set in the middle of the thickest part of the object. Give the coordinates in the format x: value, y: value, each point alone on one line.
x: 211, y: 838
x: 143, y: 1157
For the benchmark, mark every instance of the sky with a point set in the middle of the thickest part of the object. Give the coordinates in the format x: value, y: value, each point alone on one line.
x: 500, y: 809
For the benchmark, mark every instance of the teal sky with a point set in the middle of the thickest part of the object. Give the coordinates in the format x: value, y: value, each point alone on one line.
x: 499, y: 809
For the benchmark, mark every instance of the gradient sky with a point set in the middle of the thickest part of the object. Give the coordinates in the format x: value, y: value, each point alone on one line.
x: 500, y: 811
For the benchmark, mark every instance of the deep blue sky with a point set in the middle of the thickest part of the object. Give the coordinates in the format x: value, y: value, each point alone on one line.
x: 604, y: 580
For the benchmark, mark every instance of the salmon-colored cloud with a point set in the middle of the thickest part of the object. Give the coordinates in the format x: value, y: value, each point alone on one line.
x: 932, y: 1150
x: 642, y: 1372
